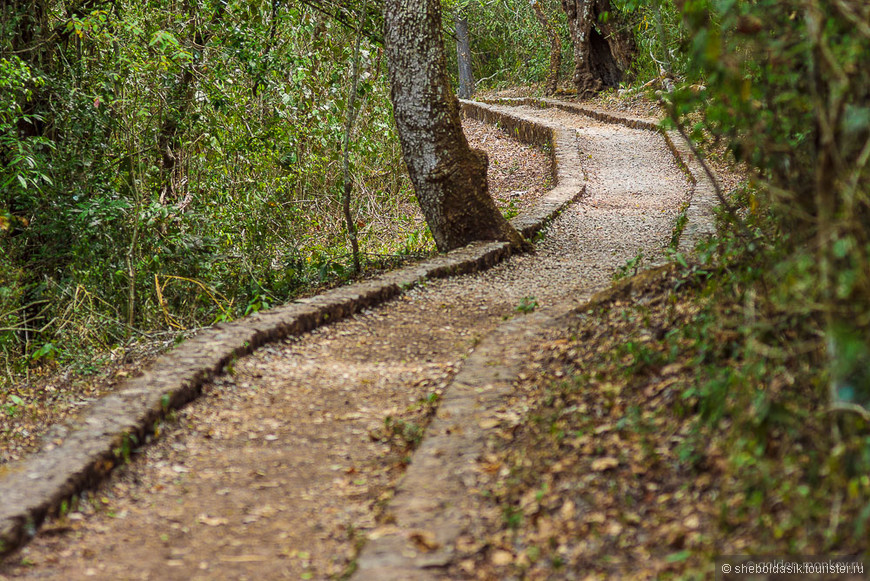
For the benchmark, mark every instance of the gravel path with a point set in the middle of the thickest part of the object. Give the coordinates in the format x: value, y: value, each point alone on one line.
x: 283, y: 466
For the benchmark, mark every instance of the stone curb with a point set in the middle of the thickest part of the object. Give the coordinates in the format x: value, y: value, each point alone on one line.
x: 700, y: 212
x: 426, y: 513
x: 81, y: 456
x: 566, y: 159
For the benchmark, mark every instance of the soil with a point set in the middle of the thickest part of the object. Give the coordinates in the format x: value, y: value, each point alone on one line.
x: 282, y: 467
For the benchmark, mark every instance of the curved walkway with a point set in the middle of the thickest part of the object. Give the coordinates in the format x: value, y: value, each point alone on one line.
x: 284, y: 467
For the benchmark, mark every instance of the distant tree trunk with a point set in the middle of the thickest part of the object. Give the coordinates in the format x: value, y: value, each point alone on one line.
x: 463, y: 56
x: 555, y: 48
x: 178, y: 103
x: 602, y: 53
x: 345, y: 148
x: 449, y: 177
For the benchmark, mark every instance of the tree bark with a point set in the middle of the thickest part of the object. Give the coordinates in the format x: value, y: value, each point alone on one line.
x: 602, y: 53
x: 449, y: 177
x: 463, y: 56
x: 555, y: 48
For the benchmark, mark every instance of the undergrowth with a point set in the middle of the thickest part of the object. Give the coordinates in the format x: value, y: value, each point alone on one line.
x: 686, y: 418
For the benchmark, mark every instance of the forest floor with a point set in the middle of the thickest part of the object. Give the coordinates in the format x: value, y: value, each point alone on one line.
x: 285, y: 466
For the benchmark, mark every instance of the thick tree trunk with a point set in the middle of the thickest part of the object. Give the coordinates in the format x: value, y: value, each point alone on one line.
x: 555, y: 48
x: 602, y: 53
x: 448, y: 176
x: 463, y: 56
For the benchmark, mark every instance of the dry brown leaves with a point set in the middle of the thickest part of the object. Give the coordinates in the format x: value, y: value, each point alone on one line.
x: 52, y: 396
x: 592, y: 485
x: 514, y: 168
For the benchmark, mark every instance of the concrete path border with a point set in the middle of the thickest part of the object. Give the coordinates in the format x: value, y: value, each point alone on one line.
x: 427, y: 511
x: 700, y: 213
x: 80, y: 457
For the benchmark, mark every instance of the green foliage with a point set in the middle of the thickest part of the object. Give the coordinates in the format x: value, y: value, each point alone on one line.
x: 13, y: 405
x: 786, y: 87
x: 679, y: 226
x: 658, y: 33
x: 508, y: 45
x: 526, y: 305
x: 716, y: 371
x: 407, y: 433
x: 166, y: 170
x: 512, y: 516
x: 24, y: 165
x: 630, y: 267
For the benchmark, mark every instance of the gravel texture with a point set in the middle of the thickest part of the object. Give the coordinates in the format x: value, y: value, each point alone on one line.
x: 285, y: 465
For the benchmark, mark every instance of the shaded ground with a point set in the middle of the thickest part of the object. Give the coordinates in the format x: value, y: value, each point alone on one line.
x: 280, y: 469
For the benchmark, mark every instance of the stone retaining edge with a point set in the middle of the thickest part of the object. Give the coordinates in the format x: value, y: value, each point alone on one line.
x: 427, y: 517
x: 566, y: 169
x: 79, y: 458
x: 702, y: 204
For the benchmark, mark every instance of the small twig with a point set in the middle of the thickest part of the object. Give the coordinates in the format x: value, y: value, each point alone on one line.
x: 487, y: 78
x: 21, y: 308
x: 860, y: 164
x: 844, y: 406
x: 351, y: 118
x: 410, y: 256
x: 657, y: 61
x: 744, y: 231
x: 170, y: 320
x: 835, y: 514
x: 848, y: 13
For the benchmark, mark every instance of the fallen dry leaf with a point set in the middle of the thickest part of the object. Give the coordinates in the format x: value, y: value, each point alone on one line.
x: 606, y: 463
x: 424, y: 541
x: 211, y: 521
x: 501, y: 558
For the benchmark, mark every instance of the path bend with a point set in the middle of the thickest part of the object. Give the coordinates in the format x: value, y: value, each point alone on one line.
x: 278, y: 470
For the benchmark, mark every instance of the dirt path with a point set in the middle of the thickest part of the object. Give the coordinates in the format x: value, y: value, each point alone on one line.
x: 281, y: 469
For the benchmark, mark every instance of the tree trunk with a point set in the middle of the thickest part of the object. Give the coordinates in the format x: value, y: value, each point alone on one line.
x: 463, y: 56
x: 448, y: 176
x: 555, y: 48
x: 602, y: 53
x: 168, y: 138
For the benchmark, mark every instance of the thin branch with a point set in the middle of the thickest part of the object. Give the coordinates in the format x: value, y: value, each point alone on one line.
x: 844, y: 406
x: 27, y: 306
x: 860, y: 164
x: 848, y: 13
x: 744, y: 231
x: 351, y: 119
x: 487, y: 78
x: 343, y: 14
